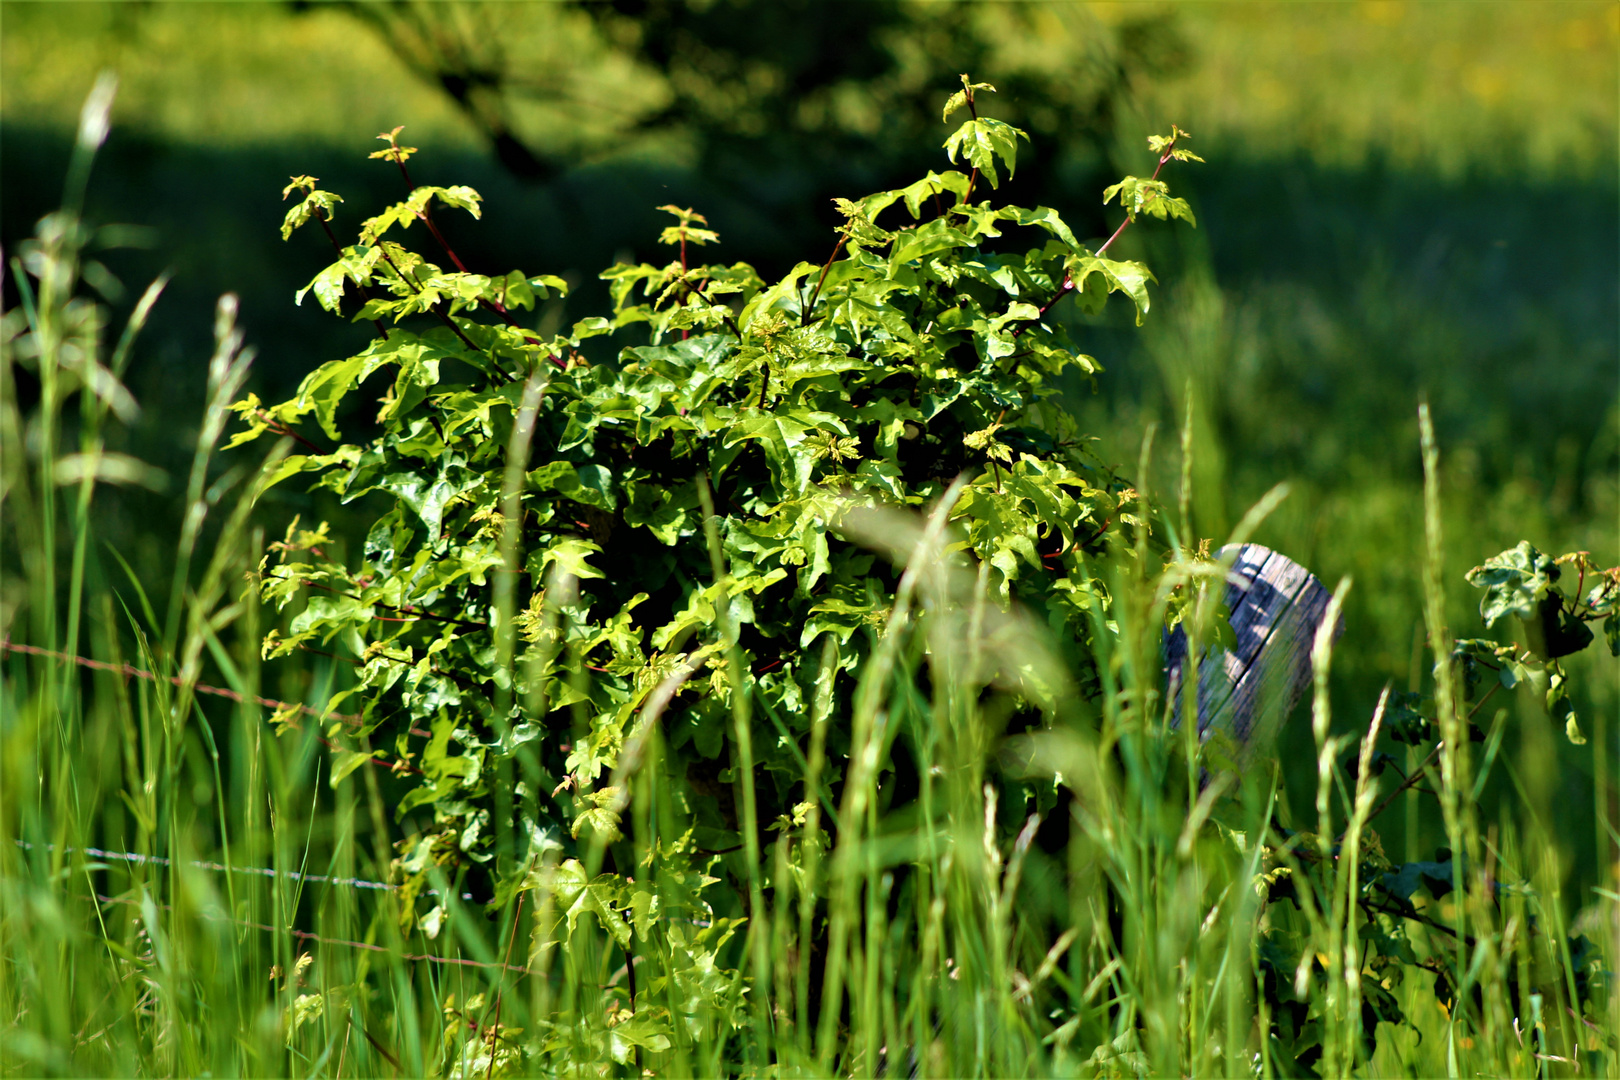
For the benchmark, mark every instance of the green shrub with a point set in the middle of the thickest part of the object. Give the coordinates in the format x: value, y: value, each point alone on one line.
x: 579, y: 541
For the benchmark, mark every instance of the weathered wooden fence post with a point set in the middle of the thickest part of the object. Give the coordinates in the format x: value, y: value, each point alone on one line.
x: 1249, y: 690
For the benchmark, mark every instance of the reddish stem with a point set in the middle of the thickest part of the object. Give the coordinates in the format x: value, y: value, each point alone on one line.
x: 1417, y: 773
x: 275, y: 428
x: 435, y: 309
x: 804, y: 314
x: 406, y: 609
x: 1068, y: 283
x: 697, y: 290
x: 973, y: 177
x: 129, y: 671
x: 320, y: 216
x: 426, y: 216
x: 1109, y: 242
x: 495, y: 1031
x: 1164, y: 157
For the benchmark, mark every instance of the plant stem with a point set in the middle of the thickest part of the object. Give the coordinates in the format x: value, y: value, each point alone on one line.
x: 804, y: 314
x: 697, y: 290
x: 281, y: 429
x: 1417, y: 773
x: 1164, y: 157
x: 405, y: 609
x: 1417, y: 916
x: 1068, y: 282
x: 495, y: 1030
x: 377, y: 1046
x: 426, y: 217
x: 320, y: 216
x: 435, y: 309
x: 973, y: 177
x: 129, y: 671
x: 1109, y: 242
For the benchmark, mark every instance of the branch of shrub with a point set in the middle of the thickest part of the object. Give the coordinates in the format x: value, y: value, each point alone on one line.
x: 1417, y: 773
x: 276, y: 428
x: 1068, y: 282
x: 425, y: 215
x: 1409, y: 912
x: 495, y: 1028
x: 365, y: 296
x: 407, y: 609
x: 731, y: 323
x: 129, y: 671
x: 973, y: 177
x: 436, y: 309
x: 804, y: 312
x: 377, y: 1046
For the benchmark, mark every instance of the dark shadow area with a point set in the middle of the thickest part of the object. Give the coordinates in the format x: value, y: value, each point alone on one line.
x: 1360, y: 290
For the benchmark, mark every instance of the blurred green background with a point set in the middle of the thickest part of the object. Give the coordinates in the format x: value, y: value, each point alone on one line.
x: 1402, y: 201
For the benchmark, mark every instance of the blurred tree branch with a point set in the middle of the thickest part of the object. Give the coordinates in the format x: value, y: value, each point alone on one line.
x: 772, y: 84
x: 454, y: 47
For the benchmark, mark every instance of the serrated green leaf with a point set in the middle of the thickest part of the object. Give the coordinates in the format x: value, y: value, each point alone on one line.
x: 1515, y: 583
x: 932, y: 187
x: 325, y: 388
x: 1434, y: 877
x: 578, y: 896
x: 639, y: 1031
x: 345, y: 762
x: 1046, y: 218
x: 962, y: 97
x: 676, y: 234
x: 982, y: 142
x: 1130, y: 278
x: 925, y: 240
x: 569, y: 555
x: 587, y: 484
x: 327, y: 286
x: 318, y: 204
x: 603, y: 821
x: 460, y: 196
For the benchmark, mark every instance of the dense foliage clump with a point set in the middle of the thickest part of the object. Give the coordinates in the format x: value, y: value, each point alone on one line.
x: 544, y: 571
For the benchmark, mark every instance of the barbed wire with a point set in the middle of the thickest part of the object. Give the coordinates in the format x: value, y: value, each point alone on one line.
x: 306, y: 935
x: 130, y: 671
x: 198, y: 864
x: 302, y: 935
x: 378, y: 758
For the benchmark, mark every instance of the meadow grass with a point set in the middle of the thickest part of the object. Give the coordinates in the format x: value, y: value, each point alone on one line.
x: 236, y: 928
